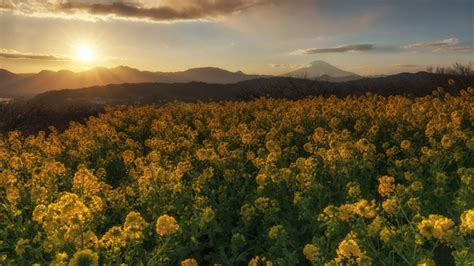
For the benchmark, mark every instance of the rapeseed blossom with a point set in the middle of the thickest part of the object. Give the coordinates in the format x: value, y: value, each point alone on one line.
x: 356, y: 180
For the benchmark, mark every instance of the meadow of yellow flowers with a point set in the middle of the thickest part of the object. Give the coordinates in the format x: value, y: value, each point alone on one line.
x: 360, y: 180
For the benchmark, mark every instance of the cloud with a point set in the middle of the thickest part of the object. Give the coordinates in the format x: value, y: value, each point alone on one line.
x: 5, y: 5
x: 155, y: 11
x: 338, y: 49
x: 446, y: 45
x: 278, y: 65
x: 291, y: 21
x: 432, y: 45
x: 456, y: 49
x: 286, y: 66
x: 405, y: 65
x: 12, y: 54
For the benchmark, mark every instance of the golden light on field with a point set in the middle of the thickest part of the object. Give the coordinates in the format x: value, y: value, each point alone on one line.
x: 85, y: 53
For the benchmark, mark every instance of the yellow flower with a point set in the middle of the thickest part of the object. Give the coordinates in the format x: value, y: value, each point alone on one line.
x: 13, y: 194
x: 189, y: 262
x: 39, y: 212
x: 386, y: 184
x: 436, y: 226
x: 363, y: 145
x: 405, y: 144
x: 65, y: 220
x: 114, y: 239
x: 247, y: 211
x: 390, y: 206
x: 386, y: 234
x: 416, y: 186
x: 426, y: 262
x: 20, y: 246
x: 353, y: 190
x: 374, y: 227
x: 250, y: 155
x: 133, y: 226
x: 262, y: 203
x: 39, y: 194
x: 128, y: 157
x: 344, y: 212
x: 95, y: 203
x: 447, y: 142
x: 276, y: 231
x: 467, y: 221
x: 329, y: 212
x: 86, y: 239
x: 414, y: 204
x: 311, y: 252
x: 207, y: 215
x: 85, y: 183
x: 60, y: 259
x: 254, y: 261
x: 166, y: 225
x: 84, y: 257
x: 273, y: 148
x: 153, y: 156
x: 206, y: 154
x: 318, y: 135
x: 308, y: 147
x: 15, y: 163
x: 246, y: 139
x: 261, y: 181
x: 363, y: 209
x: 349, y: 248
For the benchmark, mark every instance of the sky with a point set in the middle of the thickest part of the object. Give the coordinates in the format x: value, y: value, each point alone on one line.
x: 367, y: 37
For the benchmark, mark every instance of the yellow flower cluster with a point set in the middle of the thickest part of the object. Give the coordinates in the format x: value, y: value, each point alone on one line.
x: 189, y: 262
x: 349, y: 252
x: 467, y: 221
x: 311, y: 252
x: 66, y: 221
x: 118, y: 237
x: 386, y: 185
x: 267, y: 181
x: 114, y: 239
x: 349, y: 248
x: 85, y: 183
x: 84, y: 257
x: 276, y: 231
x: 166, y: 225
x: 133, y: 226
x: 436, y: 226
x: 361, y: 208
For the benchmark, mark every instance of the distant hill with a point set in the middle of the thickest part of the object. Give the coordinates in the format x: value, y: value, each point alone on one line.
x: 323, y: 71
x: 409, y: 84
x: 14, y: 85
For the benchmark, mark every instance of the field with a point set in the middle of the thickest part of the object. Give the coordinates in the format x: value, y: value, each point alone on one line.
x: 355, y: 180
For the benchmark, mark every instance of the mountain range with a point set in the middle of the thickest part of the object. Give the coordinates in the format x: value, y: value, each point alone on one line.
x: 31, y: 84
x: 14, y: 85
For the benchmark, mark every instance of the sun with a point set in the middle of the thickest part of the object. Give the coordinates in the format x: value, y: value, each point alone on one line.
x: 85, y: 53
